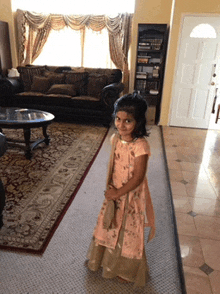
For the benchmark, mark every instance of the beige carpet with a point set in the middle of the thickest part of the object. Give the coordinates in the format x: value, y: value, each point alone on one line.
x: 40, y: 190
x: 62, y: 270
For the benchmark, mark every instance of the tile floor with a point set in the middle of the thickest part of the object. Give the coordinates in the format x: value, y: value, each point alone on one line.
x: 194, y: 168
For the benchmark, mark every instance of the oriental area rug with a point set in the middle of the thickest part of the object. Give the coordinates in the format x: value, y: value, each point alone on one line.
x: 39, y: 191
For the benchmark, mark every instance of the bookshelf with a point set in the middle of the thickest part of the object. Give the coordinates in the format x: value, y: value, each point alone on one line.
x: 150, y: 63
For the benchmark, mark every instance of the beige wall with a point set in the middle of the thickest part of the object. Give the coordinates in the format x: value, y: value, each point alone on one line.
x: 6, y: 15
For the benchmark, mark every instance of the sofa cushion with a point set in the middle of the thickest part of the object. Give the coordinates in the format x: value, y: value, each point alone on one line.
x: 58, y: 96
x: 114, y: 75
x: 79, y: 69
x: 55, y: 78
x: 65, y: 89
x: 42, y: 96
x: 42, y: 101
x: 62, y: 69
x: 27, y: 73
x: 40, y: 84
x: 86, y: 98
x: 96, y: 82
x: 79, y: 79
x: 29, y: 93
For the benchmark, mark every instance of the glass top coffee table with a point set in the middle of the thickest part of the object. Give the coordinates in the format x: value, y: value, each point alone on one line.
x: 26, y: 119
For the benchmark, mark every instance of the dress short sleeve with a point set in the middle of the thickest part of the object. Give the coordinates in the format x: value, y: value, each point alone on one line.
x: 142, y: 147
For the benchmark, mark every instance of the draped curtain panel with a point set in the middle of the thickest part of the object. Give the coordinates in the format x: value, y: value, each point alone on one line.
x: 33, y: 30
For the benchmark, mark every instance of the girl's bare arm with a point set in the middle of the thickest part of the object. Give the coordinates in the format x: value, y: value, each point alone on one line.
x: 140, y: 167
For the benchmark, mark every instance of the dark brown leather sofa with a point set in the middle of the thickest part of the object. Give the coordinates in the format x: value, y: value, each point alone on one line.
x: 71, y: 94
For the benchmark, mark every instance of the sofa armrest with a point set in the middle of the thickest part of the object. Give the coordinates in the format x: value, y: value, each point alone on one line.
x: 10, y: 86
x: 110, y: 94
x: 3, y: 144
x: 15, y: 84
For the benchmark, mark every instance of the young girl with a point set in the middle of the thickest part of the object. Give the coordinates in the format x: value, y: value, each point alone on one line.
x: 118, y: 243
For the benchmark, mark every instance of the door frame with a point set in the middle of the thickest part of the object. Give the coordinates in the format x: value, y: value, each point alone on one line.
x: 183, y: 15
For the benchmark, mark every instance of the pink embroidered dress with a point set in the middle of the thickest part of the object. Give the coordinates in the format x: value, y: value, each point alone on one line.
x: 120, y: 250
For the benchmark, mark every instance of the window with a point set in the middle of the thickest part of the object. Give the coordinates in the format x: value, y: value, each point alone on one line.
x: 62, y: 48
x: 203, y: 30
x: 96, y: 49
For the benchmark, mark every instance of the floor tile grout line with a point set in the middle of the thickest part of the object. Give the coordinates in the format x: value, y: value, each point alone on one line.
x: 211, y: 183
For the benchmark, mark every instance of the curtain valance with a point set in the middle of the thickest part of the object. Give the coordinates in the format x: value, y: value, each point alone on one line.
x: 76, y: 22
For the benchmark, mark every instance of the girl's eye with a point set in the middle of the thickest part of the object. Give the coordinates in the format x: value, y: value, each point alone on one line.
x: 128, y: 121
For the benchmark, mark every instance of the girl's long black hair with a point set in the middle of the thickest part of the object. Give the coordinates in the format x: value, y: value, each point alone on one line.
x: 135, y: 105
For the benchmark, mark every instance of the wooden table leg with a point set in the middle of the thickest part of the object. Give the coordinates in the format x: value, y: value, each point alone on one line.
x: 46, y: 136
x: 30, y: 145
x: 27, y: 137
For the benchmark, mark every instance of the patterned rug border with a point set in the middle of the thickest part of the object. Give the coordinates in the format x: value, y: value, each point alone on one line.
x: 62, y: 214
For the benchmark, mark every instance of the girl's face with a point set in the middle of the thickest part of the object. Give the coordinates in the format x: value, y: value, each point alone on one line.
x: 125, y: 124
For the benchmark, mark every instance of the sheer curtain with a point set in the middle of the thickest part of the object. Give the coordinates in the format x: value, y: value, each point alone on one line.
x: 62, y: 48
x: 85, y: 48
x: 96, y: 49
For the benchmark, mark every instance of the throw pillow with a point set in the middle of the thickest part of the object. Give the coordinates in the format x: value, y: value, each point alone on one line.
x: 78, y: 69
x: 62, y: 69
x: 55, y: 78
x: 115, y: 76
x: 79, y: 79
x: 63, y: 89
x: 40, y: 84
x: 96, y: 83
x: 27, y: 73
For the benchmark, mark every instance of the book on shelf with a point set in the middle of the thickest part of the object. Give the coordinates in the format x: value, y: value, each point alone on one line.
x: 144, y: 56
x: 141, y: 75
x: 153, y: 85
x: 140, y: 85
x: 146, y: 68
x: 142, y: 59
x: 150, y: 41
x: 143, y: 43
x: 144, y: 48
x: 139, y: 68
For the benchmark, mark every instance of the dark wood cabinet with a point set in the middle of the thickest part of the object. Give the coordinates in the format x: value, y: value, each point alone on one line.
x: 5, y: 49
x: 5, y: 63
x: 150, y: 64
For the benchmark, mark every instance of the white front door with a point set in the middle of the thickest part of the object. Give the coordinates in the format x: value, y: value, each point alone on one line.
x: 197, y: 72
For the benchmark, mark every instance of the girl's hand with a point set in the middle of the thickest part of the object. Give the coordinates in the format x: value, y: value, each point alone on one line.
x: 111, y: 193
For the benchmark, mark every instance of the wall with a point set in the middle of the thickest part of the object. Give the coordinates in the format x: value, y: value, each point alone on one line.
x: 181, y: 8
x: 6, y: 15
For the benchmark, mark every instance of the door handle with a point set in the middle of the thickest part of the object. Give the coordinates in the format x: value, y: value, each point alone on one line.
x: 214, y: 102
x: 212, y: 83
